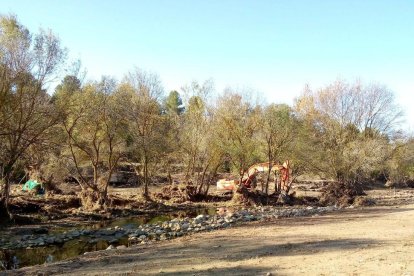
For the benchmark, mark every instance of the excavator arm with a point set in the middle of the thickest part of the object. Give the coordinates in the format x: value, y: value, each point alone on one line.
x: 251, y: 173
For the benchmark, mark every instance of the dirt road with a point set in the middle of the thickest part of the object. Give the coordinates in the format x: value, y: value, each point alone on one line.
x: 371, y: 241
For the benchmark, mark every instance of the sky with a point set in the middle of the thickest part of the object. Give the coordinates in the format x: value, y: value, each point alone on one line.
x: 272, y: 47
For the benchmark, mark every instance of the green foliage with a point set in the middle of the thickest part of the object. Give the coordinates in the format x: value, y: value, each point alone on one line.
x: 344, y: 131
x: 173, y: 104
x: 401, y: 166
x: 349, y: 125
x: 236, y: 126
x: 26, y: 114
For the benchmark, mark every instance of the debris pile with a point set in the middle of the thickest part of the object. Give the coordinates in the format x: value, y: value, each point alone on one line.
x: 178, y: 193
x: 341, y: 193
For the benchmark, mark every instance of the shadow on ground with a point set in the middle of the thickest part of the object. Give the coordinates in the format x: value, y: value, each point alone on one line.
x: 194, y: 253
x: 217, y: 253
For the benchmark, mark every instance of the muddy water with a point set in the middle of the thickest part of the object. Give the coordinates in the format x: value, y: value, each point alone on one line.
x: 10, y: 258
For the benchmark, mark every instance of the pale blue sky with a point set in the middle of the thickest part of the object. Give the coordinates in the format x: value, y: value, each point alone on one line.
x: 274, y: 47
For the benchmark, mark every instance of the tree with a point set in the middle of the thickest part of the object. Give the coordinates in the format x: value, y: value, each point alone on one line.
x: 93, y: 126
x: 278, y: 130
x: 198, y: 141
x: 349, y: 123
x: 172, y: 118
x: 173, y: 104
x: 236, y: 125
x: 26, y: 114
x: 400, y: 167
x: 140, y: 93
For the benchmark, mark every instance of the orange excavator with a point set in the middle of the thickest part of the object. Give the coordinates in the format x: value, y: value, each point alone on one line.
x: 249, y: 177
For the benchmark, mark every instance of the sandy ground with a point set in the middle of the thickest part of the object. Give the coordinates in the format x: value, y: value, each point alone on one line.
x: 369, y: 241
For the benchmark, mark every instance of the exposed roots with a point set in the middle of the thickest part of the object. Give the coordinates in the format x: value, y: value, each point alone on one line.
x: 178, y: 193
x: 248, y: 197
x: 92, y: 200
x: 341, y: 193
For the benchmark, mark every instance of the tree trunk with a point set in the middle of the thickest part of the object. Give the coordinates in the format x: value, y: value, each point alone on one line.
x: 4, y: 196
x: 102, y: 199
x: 170, y: 180
x: 145, y: 190
x: 211, y: 178
x: 201, y: 185
x: 269, y: 157
x: 4, y: 210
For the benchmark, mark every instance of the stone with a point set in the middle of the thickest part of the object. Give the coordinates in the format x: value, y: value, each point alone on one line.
x: 185, y: 226
x: 110, y: 247
x: 113, y: 241
x: 50, y: 240
x: 58, y: 240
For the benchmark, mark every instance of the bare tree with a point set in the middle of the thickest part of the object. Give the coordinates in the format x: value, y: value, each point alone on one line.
x: 344, y: 120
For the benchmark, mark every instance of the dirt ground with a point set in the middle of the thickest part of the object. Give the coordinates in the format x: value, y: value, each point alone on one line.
x: 368, y: 241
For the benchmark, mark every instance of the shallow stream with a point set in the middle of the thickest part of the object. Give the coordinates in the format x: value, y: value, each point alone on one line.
x: 14, y: 258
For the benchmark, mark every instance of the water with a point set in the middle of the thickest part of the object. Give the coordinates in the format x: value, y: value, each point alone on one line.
x: 40, y: 255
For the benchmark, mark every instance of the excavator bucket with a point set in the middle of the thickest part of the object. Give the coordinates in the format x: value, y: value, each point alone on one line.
x: 225, y: 185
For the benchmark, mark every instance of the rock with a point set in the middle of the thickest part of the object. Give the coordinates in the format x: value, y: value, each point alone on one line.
x: 49, y: 258
x: 110, y: 247
x: 58, y: 240
x: 50, y: 240
x: 93, y: 241
x: 201, y: 217
x: 38, y: 242
x: 140, y: 232
x: 109, y: 232
x: 185, y: 226
x: 75, y: 233
x: 121, y: 247
x: 114, y: 241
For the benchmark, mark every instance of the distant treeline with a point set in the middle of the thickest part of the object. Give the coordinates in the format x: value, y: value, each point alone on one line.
x: 347, y: 131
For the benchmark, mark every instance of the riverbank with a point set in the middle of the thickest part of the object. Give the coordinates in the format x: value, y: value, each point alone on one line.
x: 62, y: 239
x: 358, y: 241
x: 48, y: 246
